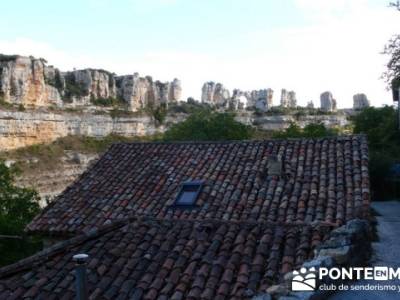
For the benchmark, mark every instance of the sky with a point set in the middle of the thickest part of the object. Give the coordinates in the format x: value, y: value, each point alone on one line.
x: 309, y: 46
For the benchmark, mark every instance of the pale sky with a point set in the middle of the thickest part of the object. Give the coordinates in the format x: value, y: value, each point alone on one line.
x: 308, y: 46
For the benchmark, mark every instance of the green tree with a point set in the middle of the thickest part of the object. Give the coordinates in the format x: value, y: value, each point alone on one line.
x: 18, y: 206
x: 312, y: 130
x: 318, y: 130
x: 293, y: 131
x: 379, y: 124
x: 206, y: 126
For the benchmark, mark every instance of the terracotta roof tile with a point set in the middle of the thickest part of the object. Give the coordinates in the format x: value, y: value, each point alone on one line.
x: 247, y: 230
x: 174, y: 276
x: 324, y: 180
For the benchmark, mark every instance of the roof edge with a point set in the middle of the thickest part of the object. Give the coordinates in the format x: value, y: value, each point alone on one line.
x: 241, y: 141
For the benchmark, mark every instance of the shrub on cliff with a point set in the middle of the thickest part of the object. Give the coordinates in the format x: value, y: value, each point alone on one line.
x: 157, y: 113
x: 205, y: 126
x: 110, y: 102
x: 18, y: 206
x: 189, y: 107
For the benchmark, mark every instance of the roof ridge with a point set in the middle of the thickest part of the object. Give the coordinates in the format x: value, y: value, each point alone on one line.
x: 239, y: 141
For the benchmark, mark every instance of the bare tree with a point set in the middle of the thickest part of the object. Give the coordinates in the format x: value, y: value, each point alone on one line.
x: 392, y: 49
x: 395, y: 4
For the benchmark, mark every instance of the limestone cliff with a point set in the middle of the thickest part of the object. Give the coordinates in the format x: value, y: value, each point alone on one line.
x: 23, y: 81
x: 259, y: 99
x: 360, y: 101
x: 30, y: 82
x: 288, y: 99
x: 141, y: 92
x: 20, y: 129
x: 50, y: 183
x: 215, y: 94
x: 328, y: 103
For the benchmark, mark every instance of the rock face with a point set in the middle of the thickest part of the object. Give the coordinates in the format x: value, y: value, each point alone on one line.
x: 328, y: 104
x: 23, y: 81
x: 28, y: 81
x: 19, y: 129
x: 215, y: 94
x: 79, y: 87
x: 288, y: 99
x: 310, y: 104
x: 261, y: 99
x: 141, y: 92
x: 50, y: 183
x: 360, y: 101
x: 280, y: 122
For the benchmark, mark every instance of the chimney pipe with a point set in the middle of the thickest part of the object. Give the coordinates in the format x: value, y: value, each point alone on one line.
x: 274, y: 166
x: 80, y: 276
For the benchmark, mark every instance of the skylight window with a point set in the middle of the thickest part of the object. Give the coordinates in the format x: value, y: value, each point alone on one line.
x: 188, y: 194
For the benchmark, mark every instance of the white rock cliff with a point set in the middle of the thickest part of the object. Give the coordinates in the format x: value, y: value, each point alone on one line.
x: 28, y: 81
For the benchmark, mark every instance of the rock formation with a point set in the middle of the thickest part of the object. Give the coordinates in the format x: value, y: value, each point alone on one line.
x: 360, y: 101
x: 262, y: 99
x: 23, y: 81
x: 259, y: 99
x: 215, y: 94
x: 328, y: 104
x: 141, y: 92
x: 288, y: 98
x: 28, y: 81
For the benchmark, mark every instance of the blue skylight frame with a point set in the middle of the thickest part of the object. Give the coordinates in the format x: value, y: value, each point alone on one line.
x: 188, y: 194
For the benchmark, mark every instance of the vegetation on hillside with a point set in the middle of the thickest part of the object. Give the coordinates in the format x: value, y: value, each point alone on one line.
x: 48, y: 156
x: 108, y: 102
x: 18, y: 206
x: 189, y: 107
x: 157, y: 113
x: 297, y: 112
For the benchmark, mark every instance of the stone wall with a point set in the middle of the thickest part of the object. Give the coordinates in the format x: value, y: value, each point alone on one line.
x: 346, y: 246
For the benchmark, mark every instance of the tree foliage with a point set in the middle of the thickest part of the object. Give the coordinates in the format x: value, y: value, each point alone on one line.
x: 312, y: 130
x: 392, y: 49
x: 379, y: 124
x: 18, y: 206
x: 206, y: 126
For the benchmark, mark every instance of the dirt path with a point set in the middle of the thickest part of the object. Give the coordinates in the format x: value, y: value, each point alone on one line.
x: 386, y: 252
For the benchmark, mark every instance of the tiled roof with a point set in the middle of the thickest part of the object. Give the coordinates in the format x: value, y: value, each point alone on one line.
x: 324, y: 180
x: 145, y: 258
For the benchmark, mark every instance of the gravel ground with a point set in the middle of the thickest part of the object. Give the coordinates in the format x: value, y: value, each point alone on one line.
x: 386, y: 252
